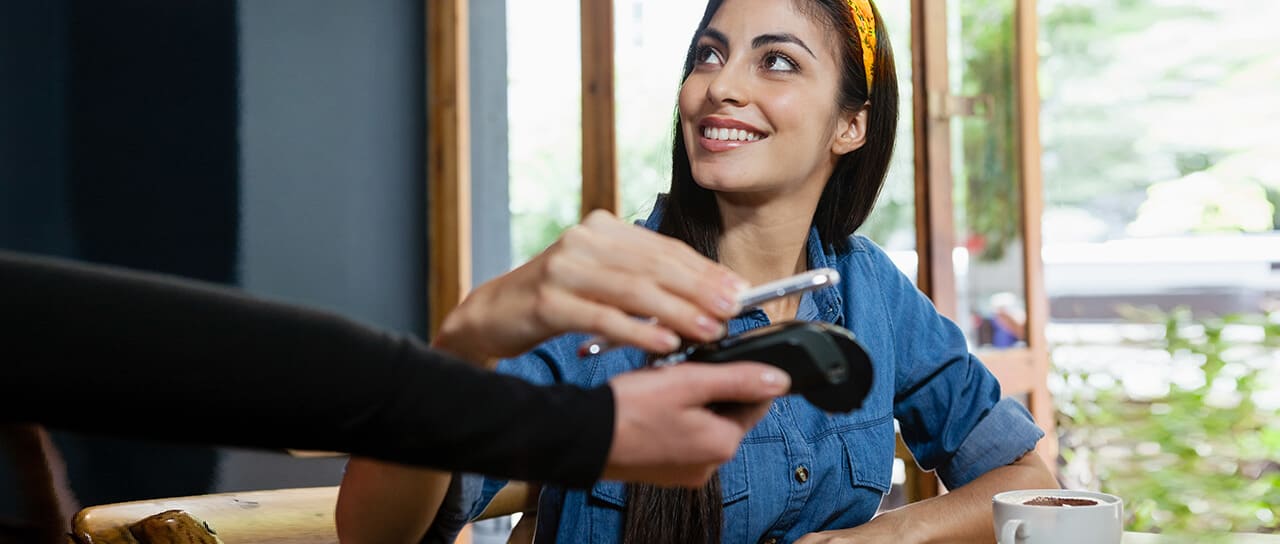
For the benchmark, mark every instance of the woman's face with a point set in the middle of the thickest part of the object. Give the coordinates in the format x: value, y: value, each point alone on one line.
x: 758, y: 111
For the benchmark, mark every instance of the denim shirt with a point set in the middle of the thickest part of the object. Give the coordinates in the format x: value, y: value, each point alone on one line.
x: 947, y: 403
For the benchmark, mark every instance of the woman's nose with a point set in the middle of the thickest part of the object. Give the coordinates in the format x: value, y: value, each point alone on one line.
x: 729, y: 86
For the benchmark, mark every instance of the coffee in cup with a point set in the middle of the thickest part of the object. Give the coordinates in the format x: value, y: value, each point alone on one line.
x: 1059, y: 501
x: 1057, y: 516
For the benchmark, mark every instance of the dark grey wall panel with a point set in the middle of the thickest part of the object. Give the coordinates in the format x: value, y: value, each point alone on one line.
x: 490, y: 216
x: 332, y: 207
x: 332, y: 191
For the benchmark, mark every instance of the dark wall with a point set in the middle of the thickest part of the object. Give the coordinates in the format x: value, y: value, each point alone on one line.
x: 152, y: 103
x: 33, y: 131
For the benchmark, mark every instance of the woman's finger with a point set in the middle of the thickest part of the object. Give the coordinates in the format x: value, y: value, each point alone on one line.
x: 633, y: 294
x: 671, y: 264
x: 562, y: 311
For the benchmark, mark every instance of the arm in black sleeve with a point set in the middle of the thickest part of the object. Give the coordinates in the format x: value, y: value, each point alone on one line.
x: 106, y: 350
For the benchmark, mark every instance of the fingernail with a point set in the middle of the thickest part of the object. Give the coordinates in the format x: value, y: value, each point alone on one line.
x: 728, y: 305
x: 738, y: 284
x: 672, y: 341
x: 710, y: 326
x: 773, y: 377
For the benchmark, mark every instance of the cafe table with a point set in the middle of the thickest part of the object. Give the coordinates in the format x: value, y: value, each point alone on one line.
x: 1234, y: 538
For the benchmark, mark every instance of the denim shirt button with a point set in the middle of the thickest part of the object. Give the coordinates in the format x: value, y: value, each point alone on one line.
x: 802, y: 474
x: 769, y: 541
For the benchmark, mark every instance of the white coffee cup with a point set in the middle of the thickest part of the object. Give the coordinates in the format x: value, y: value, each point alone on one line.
x: 1017, y: 522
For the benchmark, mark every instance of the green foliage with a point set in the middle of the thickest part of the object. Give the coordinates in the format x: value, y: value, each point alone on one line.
x: 988, y: 182
x: 1115, y: 75
x: 1202, y: 458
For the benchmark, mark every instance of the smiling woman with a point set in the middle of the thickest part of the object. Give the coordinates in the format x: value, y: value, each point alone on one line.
x: 782, y: 141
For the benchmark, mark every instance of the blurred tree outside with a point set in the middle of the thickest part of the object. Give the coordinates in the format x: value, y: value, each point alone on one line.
x: 1195, y: 453
x: 1142, y: 99
x: 987, y: 183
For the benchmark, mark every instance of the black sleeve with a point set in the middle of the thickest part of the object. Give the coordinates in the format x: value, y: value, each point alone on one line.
x: 106, y: 350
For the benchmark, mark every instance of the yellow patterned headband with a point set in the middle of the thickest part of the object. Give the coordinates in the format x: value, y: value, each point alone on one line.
x: 865, y: 19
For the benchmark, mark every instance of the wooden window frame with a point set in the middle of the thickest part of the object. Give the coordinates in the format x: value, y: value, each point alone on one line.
x: 448, y: 157
x: 599, y: 130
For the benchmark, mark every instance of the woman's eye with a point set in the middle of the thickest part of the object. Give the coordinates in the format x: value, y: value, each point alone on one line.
x: 778, y: 63
x: 708, y: 55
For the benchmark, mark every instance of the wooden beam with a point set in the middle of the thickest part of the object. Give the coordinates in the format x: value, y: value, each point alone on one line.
x: 934, y: 223
x: 935, y: 210
x: 599, y: 147
x: 1026, y: 68
x: 448, y: 157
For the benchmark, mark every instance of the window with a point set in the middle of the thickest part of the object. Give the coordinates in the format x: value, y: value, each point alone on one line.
x: 545, y: 122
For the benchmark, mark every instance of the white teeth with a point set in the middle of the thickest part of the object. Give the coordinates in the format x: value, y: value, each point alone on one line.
x: 729, y: 134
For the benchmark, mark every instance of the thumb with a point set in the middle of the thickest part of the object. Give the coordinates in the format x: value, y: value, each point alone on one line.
x: 733, y: 382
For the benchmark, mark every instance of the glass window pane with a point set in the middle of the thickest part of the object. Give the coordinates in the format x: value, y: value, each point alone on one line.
x: 893, y: 222
x: 544, y: 110
x: 651, y: 38
x: 988, y: 257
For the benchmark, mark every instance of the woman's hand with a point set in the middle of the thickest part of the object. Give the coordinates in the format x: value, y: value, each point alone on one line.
x: 593, y: 279
x: 881, y: 530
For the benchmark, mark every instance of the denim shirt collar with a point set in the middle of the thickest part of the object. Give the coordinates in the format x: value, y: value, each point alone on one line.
x: 825, y: 304
x: 821, y: 305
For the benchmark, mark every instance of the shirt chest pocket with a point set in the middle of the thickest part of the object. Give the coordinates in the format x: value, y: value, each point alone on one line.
x: 608, y: 501
x: 869, y: 452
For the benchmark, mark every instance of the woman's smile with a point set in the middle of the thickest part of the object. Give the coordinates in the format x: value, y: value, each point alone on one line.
x: 724, y: 134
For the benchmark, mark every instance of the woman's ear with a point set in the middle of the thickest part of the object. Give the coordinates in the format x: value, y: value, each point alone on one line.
x: 851, y: 130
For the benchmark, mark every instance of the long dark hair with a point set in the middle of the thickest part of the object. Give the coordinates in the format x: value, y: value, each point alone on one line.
x: 691, y: 214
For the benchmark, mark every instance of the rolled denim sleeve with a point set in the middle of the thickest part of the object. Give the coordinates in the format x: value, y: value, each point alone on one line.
x: 1006, y: 433
x: 947, y: 402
